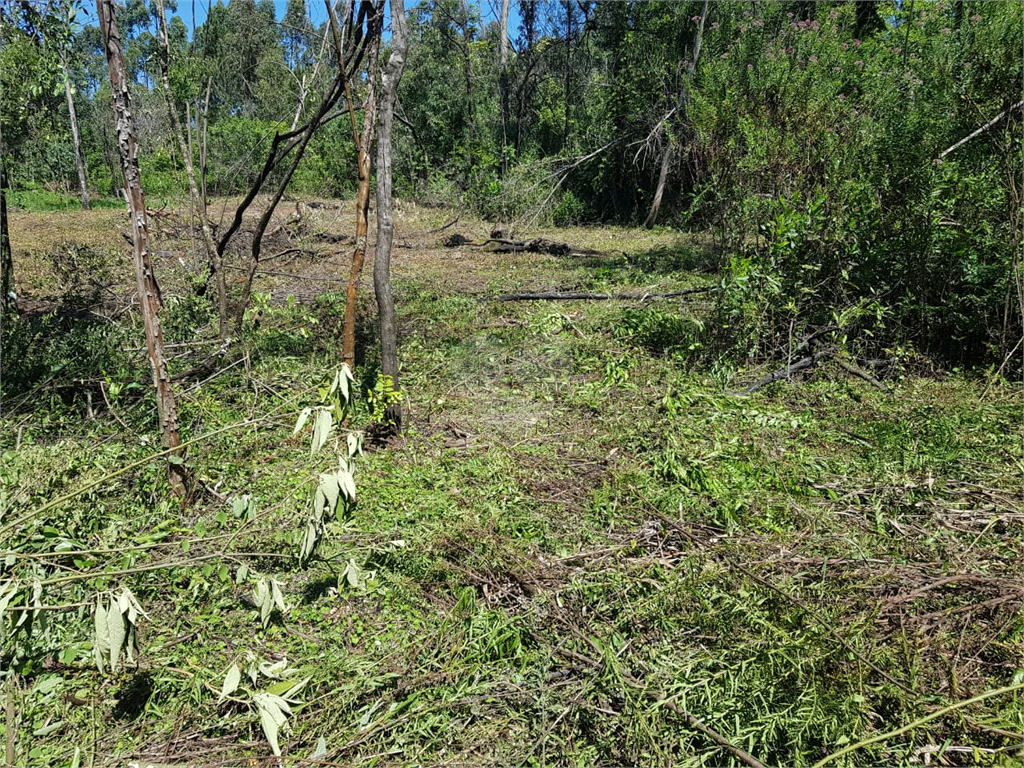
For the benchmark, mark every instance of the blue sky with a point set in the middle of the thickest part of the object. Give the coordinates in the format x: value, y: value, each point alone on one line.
x: 197, y: 11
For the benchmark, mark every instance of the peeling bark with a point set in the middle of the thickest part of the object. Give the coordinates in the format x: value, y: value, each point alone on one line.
x: 150, y: 300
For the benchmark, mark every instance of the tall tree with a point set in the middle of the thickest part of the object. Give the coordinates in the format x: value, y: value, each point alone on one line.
x: 150, y: 299
x: 83, y: 188
x: 390, y: 78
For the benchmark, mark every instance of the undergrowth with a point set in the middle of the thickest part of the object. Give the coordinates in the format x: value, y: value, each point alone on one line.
x: 584, y: 543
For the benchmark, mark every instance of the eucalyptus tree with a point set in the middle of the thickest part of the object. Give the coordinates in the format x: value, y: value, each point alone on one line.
x: 150, y: 299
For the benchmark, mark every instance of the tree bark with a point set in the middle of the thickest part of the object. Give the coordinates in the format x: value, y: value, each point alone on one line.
x: 150, y: 300
x: 684, y: 97
x: 364, y: 141
x: 390, y: 78
x: 83, y: 189
x: 8, y: 299
x: 212, y: 257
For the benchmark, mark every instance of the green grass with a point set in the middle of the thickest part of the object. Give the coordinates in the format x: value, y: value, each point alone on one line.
x: 581, y: 536
x: 45, y: 200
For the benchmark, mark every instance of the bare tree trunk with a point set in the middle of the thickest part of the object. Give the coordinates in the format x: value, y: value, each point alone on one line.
x: 503, y: 95
x: 363, y: 141
x: 8, y: 299
x: 149, y: 292
x: 684, y: 97
x: 390, y: 78
x: 193, y: 189
x: 202, y: 146
x: 666, y: 159
x: 83, y: 189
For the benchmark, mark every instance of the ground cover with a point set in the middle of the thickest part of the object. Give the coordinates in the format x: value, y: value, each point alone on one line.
x: 585, y: 549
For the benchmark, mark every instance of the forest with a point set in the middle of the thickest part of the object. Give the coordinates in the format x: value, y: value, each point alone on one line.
x: 519, y: 382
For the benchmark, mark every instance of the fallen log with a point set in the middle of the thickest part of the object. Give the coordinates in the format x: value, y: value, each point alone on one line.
x: 536, y: 245
x: 574, y: 296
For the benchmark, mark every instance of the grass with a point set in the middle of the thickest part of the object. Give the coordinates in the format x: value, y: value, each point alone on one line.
x: 581, y: 538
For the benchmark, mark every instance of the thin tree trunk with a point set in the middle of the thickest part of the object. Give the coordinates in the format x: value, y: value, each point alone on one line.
x: 83, y: 189
x: 666, y: 159
x: 363, y: 142
x: 390, y: 78
x: 149, y: 292
x: 684, y: 97
x: 8, y: 299
x: 202, y: 145
x: 212, y: 257
x: 503, y: 95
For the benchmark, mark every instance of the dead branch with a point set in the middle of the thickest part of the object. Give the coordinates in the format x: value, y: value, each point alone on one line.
x: 786, y: 371
x: 572, y: 296
x: 861, y: 373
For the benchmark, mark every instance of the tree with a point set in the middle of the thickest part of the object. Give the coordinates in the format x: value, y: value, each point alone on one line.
x: 150, y: 299
x: 371, y: 13
x: 390, y: 78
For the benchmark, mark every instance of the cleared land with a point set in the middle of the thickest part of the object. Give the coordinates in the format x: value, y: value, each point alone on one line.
x: 584, y: 550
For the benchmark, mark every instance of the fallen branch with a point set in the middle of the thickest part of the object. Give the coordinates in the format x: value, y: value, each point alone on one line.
x: 572, y: 296
x: 786, y: 372
x: 536, y: 245
x: 980, y: 131
x: 861, y: 373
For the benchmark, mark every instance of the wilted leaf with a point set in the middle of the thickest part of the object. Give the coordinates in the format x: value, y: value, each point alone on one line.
x: 303, y: 417
x: 348, y: 484
x: 321, y: 430
x: 101, y: 640
x: 231, y: 681
x: 329, y: 487
x: 278, y: 597
x: 46, y: 730
x: 321, y: 749
x: 271, y: 718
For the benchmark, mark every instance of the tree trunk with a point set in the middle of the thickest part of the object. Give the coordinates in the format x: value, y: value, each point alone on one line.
x: 390, y: 78
x: 364, y: 143
x: 150, y: 300
x: 8, y: 299
x: 503, y: 95
x: 684, y: 97
x: 212, y: 257
x: 83, y: 189
x: 666, y: 159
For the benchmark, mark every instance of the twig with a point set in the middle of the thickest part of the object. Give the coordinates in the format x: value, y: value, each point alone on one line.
x: 918, y: 722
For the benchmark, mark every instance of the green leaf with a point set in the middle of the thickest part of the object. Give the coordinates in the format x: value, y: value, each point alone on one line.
x: 76, y: 761
x: 243, y: 572
x: 231, y: 681
x: 46, y: 730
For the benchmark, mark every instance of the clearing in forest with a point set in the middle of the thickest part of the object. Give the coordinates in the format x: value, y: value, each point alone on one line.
x: 588, y: 547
